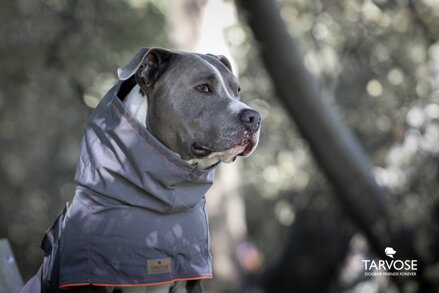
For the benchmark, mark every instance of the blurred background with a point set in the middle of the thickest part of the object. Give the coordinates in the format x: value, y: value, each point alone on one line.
x: 282, y: 220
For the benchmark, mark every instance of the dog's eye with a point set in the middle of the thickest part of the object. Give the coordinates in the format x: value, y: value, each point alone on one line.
x: 238, y: 91
x: 204, y: 88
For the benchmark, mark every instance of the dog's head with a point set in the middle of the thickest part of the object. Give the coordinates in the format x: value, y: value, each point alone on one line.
x: 194, y: 105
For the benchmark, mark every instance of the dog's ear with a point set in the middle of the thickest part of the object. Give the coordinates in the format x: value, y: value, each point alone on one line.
x: 224, y: 60
x: 149, y: 63
x: 129, y: 69
x: 154, y: 63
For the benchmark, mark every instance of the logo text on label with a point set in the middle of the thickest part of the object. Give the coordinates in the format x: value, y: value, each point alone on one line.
x: 159, y: 266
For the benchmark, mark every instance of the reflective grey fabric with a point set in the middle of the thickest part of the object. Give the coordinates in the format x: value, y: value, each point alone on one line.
x: 138, y: 215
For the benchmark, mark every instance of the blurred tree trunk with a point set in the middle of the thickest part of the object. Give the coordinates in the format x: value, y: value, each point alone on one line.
x: 316, y: 246
x: 337, y: 152
x: 198, y: 25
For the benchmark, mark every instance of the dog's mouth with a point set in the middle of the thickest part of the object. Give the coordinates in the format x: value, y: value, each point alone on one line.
x: 243, y: 148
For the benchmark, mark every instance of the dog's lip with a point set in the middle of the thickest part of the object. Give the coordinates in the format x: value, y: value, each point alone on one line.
x: 248, y: 149
x: 251, y: 144
x: 200, y: 151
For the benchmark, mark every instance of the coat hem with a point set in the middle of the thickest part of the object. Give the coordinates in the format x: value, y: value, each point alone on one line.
x: 105, y: 284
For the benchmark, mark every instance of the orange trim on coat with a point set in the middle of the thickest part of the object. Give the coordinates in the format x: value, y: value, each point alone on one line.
x: 66, y: 286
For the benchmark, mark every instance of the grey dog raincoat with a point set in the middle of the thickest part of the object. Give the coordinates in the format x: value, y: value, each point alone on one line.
x: 138, y: 216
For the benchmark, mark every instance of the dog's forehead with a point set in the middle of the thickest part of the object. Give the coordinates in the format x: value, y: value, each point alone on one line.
x: 194, y: 64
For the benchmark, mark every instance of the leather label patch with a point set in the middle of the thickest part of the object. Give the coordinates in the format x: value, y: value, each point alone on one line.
x: 159, y: 266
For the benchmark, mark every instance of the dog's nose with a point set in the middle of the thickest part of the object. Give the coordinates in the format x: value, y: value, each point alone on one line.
x: 250, y: 118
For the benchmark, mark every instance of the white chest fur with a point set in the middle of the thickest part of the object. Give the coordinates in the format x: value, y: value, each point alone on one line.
x: 137, y: 104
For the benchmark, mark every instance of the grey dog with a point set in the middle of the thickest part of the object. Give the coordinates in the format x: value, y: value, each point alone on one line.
x: 147, y: 156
